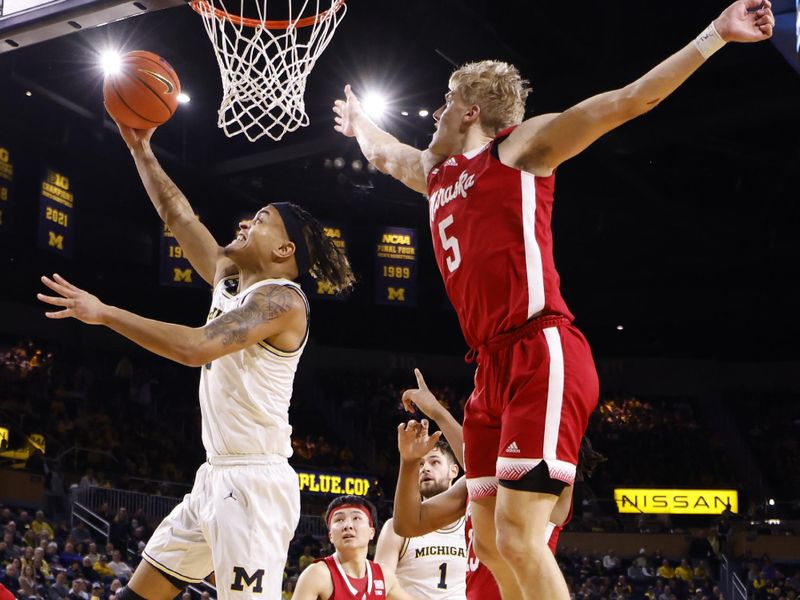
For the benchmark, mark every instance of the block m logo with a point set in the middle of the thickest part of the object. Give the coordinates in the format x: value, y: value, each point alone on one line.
x: 182, y: 275
x: 55, y: 240
x: 398, y: 294
x: 241, y: 580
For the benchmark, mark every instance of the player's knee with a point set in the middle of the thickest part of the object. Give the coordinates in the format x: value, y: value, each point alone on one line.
x: 127, y: 593
x: 518, y: 551
x: 486, y: 551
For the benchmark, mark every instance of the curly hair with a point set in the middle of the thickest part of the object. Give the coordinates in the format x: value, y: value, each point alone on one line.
x: 328, y: 263
x: 497, y: 87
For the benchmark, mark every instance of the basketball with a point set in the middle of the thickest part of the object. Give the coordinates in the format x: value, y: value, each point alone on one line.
x: 143, y: 93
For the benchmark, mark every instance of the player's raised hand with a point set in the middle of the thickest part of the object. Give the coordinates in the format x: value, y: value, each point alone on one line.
x: 347, y: 111
x: 77, y: 303
x: 136, y: 139
x: 413, y: 440
x: 746, y: 21
x: 422, y: 399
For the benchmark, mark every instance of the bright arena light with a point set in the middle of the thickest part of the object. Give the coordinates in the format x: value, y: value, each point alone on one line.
x: 423, y: 113
x: 183, y: 98
x: 375, y: 105
x: 111, y: 61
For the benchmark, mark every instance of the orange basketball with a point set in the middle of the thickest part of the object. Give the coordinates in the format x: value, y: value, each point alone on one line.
x: 144, y: 92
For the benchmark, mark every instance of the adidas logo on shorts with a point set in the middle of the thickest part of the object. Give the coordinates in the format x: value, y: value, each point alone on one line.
x: 512, y: 448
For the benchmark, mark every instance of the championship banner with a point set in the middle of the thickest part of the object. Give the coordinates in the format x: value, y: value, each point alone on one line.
x: 396, y: 266
x: 334, y: 484
x: 322, y: 290
x: 676, y: 502
x: 175, y: 267
x: 56, y: 218
x: 6, y: 181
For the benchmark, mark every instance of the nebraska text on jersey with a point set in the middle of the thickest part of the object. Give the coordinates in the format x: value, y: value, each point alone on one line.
x: 444, y: 196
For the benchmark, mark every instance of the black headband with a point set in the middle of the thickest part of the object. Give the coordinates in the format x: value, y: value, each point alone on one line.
x: 295, y: 230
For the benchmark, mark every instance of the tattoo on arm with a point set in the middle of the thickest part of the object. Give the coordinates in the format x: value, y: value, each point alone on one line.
x: 263, y: 305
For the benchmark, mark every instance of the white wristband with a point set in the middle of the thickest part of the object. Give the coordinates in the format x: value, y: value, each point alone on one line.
x: 709, y: 41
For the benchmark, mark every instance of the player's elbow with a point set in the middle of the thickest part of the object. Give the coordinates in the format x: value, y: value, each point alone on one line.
x: 405, y: 528
x: 190, y: 353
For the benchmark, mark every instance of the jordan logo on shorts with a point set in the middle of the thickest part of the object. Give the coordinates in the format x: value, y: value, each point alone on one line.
x: 512, y: 448
x: 234, y: 497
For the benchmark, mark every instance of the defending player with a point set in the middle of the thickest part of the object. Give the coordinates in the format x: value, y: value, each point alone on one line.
x: 245, y: 503
x: 347, y: 574
x: 490, y: 180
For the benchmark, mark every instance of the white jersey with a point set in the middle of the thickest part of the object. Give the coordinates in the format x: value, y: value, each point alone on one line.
x: 244, y: 396
x: 434, y: 565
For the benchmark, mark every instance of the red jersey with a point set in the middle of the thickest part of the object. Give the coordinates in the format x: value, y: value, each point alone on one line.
x: 493, y: 243
x: 480, y: 581
x: 370, y: 587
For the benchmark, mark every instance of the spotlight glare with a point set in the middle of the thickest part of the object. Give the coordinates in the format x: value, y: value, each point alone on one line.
x: 111, y: 61
x: 620, y: 327
x: 423, y: 113
x: 338, y: 162
x: 772, y: 501
x: 183, y: 98
x: 374, y: 105
x: 28, y: 93
x: 404, y: 113
x: 357, y: 166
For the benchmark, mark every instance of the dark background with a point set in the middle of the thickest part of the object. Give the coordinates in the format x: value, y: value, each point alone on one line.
x: 681, y: 226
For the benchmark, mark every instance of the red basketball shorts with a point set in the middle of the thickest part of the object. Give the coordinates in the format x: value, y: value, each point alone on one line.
x: 535, y: 388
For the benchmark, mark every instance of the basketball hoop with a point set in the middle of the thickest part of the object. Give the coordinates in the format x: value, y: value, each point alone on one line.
x: 264, y: 63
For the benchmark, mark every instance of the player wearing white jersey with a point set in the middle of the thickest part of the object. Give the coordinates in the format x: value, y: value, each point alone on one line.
x: 245, y: 503
x: 433, y: 565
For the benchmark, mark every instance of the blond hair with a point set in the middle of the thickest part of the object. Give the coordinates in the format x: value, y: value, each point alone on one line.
x: 495, y: 86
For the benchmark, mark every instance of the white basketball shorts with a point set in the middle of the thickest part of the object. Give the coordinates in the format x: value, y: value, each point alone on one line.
x: 237, y: 522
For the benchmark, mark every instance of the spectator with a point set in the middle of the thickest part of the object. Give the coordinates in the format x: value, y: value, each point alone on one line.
x: 78, y: 590
x: 665, y: 571
x: 97, y: 590
x: 80, y: 534
x: 27, y: 582
x: 88, y: 480
x: 116, y: 585
x: 87, y: 571
x: 701, y: 570
x: 120, y: 528
x: 59, y: 590
x: 92, y: 554
x: 69, y: 556
x: 305, y: 559
x: 684, y: 571
x: 40, y: 526
x: 121, y: 569
x: 11, y: 578
x: 102, y: 568
x: 611, y: 562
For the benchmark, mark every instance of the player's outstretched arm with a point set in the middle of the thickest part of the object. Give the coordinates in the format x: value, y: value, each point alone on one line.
x: 268, y: 311
x: 314, y: 583
x: 197, y: 243
x: 405, y: 163
x: 412, y: 517
x: 394, y: 590
x: 425, y: 401
x: 542, y: 143
x: 387, y: 551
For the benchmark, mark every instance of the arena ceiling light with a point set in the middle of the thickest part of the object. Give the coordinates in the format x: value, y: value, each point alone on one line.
x: 183, y: 98
x: 111, y: 62
x: 375, y: 104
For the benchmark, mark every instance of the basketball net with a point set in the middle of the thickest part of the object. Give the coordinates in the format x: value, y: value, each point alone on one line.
x: 264, y: 64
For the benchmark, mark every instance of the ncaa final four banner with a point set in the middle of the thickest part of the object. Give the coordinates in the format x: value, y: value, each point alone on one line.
x: 320, y: 289
x: 56, y: 213
x: 175, y: 268
x: 396, y: 267
x: 6, y: 184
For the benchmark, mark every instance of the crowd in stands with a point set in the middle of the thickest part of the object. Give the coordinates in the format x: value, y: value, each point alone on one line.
x: 773, y: 434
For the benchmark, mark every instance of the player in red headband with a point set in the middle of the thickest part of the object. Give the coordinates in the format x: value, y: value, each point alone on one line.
x: 347, y: 574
